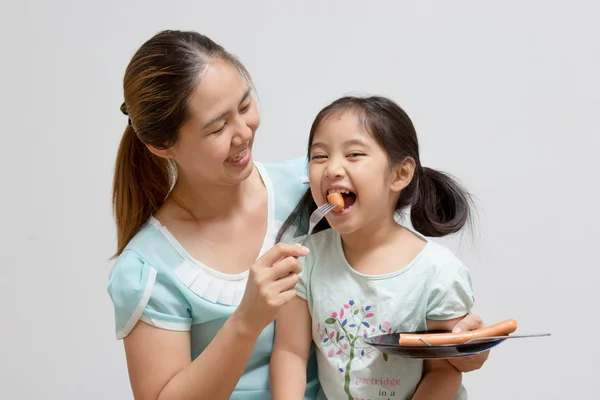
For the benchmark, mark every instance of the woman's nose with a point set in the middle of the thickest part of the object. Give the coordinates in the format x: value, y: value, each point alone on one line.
x: 242, y: 134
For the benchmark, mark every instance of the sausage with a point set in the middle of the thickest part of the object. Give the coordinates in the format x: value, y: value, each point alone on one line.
x: 336, y: 199
x: 503, y: 328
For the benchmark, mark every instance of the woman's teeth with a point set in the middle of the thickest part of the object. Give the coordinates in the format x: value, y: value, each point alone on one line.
x: 237, y: 157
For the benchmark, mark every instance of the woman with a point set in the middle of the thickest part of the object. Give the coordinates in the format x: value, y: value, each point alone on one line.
x: 198, y: 280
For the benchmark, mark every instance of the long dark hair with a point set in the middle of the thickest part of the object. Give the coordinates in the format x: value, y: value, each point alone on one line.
x: 158, y: 81
x: 439, y: 204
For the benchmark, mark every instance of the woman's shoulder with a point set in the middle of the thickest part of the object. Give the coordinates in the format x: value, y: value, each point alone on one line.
x: 295, y: 168
x: 142, y: 284
x: 149, y: 241
x: 289, y: 180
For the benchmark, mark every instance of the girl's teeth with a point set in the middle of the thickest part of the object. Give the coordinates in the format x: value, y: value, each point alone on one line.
x: 338, y: 191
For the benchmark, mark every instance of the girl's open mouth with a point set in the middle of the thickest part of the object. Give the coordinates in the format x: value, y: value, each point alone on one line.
x: 349, y: 200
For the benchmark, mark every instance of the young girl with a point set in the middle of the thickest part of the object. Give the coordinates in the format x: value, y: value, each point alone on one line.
x: 368, y: 275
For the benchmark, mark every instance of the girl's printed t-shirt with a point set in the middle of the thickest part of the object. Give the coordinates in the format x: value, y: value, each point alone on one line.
x: 346, y: 307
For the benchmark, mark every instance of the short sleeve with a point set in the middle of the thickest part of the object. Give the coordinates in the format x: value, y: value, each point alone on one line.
x: 302, y: 287
x: 303, y: 281
x: 139, y: 292
x: 451, y: 297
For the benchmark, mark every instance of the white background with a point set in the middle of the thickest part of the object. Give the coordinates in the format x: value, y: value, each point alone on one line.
x: 504, y: 95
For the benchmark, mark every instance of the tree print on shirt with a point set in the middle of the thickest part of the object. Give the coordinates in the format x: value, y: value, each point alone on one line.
x: 342, y: 334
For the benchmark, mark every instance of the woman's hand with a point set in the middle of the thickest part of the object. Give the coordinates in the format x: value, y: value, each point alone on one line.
x: 472, y: 363
x: 271, y: 284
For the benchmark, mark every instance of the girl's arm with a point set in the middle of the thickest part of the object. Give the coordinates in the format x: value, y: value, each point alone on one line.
x: 293, y: 339
x: 471, y: 363
x: 441, y: 380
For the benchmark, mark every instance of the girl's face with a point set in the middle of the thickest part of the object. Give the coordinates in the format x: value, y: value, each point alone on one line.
x: 344, y: 158
x: 215, y: 145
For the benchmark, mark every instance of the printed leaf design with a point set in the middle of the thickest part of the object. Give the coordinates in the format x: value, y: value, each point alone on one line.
x: 345, y: 334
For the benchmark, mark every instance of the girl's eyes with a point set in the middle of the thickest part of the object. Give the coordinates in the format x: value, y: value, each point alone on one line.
x: 246, y: 107
x: 322, y: 156
x: 219, y: 130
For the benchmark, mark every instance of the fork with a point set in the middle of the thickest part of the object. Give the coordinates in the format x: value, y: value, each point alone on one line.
x: 317, y: 216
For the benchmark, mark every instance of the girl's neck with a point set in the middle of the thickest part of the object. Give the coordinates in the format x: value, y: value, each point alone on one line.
x: 370, y: 237
x: 381, y: 248
x: 208, y: 201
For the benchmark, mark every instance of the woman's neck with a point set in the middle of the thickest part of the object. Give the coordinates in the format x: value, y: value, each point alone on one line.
x: 208, y: 201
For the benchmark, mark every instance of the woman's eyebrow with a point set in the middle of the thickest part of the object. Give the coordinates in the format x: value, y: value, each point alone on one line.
x: 223, y: 114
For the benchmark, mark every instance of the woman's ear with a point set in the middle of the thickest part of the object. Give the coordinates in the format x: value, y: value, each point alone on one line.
x: 402, y: 174
x: 162, y: 153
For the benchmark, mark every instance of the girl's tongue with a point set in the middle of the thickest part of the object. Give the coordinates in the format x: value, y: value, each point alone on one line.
x: 349, y: 199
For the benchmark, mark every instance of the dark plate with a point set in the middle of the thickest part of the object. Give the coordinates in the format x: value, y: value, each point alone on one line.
x: 389, y: 344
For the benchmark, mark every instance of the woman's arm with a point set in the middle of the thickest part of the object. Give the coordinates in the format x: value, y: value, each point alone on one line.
x: 160, y: 366
x: 159, y: 361
x: 441, y: 380
x: 290, y: 354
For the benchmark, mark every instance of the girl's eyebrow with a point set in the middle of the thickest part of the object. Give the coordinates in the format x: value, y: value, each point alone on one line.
x: 347, y: 143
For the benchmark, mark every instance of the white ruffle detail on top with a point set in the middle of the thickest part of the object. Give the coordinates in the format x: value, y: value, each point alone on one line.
x: 210, y: 284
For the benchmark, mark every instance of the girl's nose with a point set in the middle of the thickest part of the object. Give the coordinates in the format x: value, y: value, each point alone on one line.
x: 334, y: 170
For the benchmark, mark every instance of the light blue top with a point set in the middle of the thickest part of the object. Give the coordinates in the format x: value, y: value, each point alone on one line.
x: 157, y: 281
x: 346, y: 307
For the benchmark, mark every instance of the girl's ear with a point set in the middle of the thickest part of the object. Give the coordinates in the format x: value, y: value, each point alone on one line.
x: 402, y: 174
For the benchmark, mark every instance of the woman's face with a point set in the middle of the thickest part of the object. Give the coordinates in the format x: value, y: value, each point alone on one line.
x: 215, y: 145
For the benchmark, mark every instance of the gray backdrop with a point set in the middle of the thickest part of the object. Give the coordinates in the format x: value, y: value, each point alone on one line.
x: 504, y: 95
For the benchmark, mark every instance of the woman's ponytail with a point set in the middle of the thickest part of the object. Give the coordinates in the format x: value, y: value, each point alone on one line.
x: 441, y: 206
x: 158, y: 82
x: 141, y: 183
